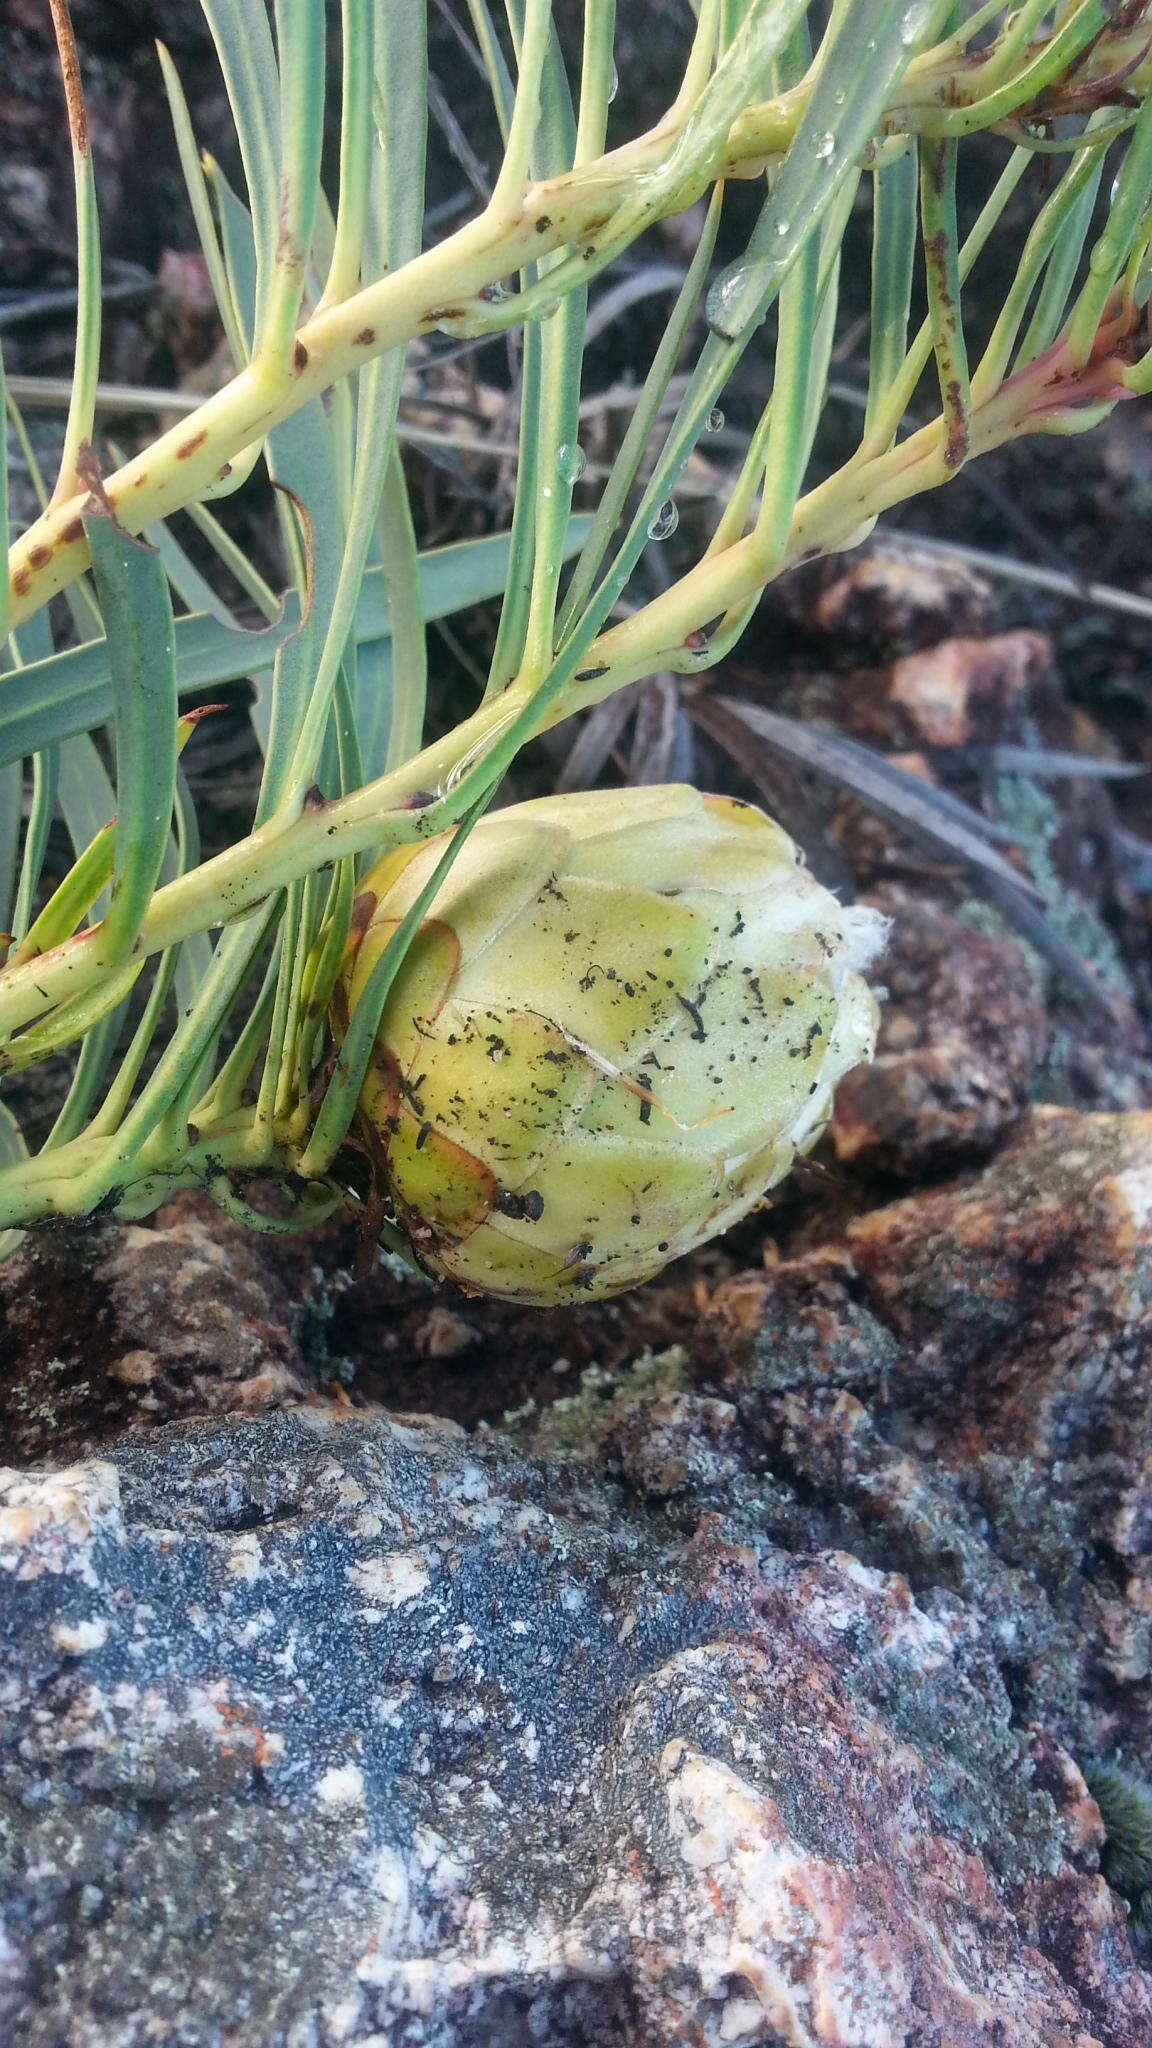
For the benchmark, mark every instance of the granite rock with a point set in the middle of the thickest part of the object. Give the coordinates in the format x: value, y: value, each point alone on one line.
x: 743, y: 1692
x: 323, y: 1731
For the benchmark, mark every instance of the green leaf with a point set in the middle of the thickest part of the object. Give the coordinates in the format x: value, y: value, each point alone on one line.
x: 393, y: 239
x: 137, y: 611
x: 247, y: 56
x: 405, y: 652
x: 201, y: 204
x: 300, y: 34
x: 895, y: 240
x: 86, y: 357
x: 942, y: 269
x: 45, y: 778
x: 1078, y: 202
x: 70, y: 692
x: 11, y: 797
x: 12, y: 1151
x: 867, y: 51
x: 357, y: 75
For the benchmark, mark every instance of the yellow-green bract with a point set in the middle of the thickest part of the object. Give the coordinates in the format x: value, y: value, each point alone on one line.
x: 624, y: 1020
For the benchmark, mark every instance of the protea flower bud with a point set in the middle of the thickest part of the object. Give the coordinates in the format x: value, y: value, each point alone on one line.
x: 624, y: 1020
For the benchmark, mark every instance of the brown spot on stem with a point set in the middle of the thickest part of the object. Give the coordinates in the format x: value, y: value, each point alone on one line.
x: 190, y: 446
x: 91, y: 475
x: 300, y: 357
x: 956, y: 450
x: 543, y: 224
x: 436, y: 314
x: 39, y: 556
x: 74, y: 531
x: 365, y: 338
x: 20, y: 581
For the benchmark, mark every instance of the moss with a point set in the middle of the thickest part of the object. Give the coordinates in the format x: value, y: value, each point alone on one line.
x: 312, y: 1327
x: 577, y: 1422
x: 1125, y: 1803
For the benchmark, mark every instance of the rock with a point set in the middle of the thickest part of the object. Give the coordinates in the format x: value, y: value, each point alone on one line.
x: 958, y: 1388
x: 890, y: 604
x: 322, y: 1730
x: 962, y: 1034
x: 1025, y: 1298
x: 118, y: 1325
x: 962, y: 691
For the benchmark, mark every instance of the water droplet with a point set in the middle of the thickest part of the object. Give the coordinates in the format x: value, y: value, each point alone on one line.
x: 665, y: 522
x: 724, y: 298
x: 839, y: 97
x: 613, y: 84
x: 825, y: 145
x: 570, y: 461
x: 783, y: 227
x: 715, y: 420
x: 727, y: 313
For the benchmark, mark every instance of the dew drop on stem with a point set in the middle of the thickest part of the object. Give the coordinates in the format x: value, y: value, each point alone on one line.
x: 570, y: 461
x: 665, y: 522
x: 715, y: 420
x: 825, y: 145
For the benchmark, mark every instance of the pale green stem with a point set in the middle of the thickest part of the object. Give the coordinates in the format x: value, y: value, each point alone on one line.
x: 439, y: 287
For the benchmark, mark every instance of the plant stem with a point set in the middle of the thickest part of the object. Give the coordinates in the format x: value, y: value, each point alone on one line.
x: 443, y: 287
x: 1050, y: 396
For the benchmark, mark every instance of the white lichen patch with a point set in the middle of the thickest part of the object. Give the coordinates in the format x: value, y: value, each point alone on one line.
x: 341, y: 1785
x: 77, y: 1638
x: 244, y: 1560
x: 392, y: 1579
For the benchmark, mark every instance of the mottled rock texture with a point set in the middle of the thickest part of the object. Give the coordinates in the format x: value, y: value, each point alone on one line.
x: 357, y: 1731
x: 962, y: 1034
x: 741, y: 1693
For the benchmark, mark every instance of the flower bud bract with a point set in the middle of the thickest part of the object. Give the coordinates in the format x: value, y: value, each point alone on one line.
x: 623, y: 1018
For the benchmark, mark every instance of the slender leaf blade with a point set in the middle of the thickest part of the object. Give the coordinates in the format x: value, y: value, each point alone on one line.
x: 134, y: 600
x: 69, y: 693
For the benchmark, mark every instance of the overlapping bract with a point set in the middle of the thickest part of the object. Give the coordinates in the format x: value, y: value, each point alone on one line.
x: 624, y: 1021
